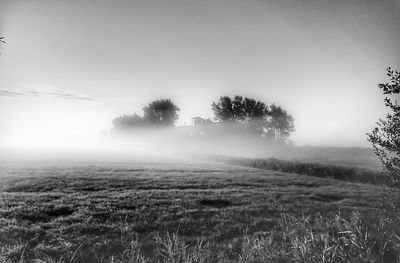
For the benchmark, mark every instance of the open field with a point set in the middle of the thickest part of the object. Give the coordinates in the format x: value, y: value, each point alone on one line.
x: 355, y: 174
x: 358, y: 157
x: 92, y: 207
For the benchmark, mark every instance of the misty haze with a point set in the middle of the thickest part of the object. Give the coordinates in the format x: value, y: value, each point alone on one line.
x: 187, y: 131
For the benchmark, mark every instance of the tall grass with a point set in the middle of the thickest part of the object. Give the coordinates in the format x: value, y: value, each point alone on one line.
x: 350, y: 174
x: 308, y: 239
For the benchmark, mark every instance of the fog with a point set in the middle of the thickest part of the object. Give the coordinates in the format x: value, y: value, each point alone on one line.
x: 184, y: 144
x: 75, y: 66
x: 147, y: 142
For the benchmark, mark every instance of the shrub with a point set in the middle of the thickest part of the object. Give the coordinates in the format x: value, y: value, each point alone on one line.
x: 351, y: 174
x: 385, y: 138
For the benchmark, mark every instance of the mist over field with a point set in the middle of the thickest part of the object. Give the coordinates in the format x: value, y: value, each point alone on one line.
x: 186, y: 144
x: 212, y: 131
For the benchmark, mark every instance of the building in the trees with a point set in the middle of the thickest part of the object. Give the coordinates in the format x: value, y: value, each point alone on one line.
x: 198, y: 121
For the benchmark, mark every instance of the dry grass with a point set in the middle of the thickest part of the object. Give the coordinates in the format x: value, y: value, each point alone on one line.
x: 173, y: 213
x: 295, y: 239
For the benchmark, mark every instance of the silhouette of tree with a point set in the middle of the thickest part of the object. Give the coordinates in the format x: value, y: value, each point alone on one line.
x: 128, y: 121
x: 279, y: 123
x: 254, y: 110
x: 385, y: 138
x: 239, y: 109
x: 275, y: 122
x: 223, y: 109
x: 161, y: 112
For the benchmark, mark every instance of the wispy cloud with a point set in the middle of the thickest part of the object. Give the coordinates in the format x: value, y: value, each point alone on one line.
x: 34, y: 90
x: 10, y: 93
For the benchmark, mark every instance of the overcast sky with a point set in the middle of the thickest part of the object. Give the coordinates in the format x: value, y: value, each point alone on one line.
x: 69, y: 67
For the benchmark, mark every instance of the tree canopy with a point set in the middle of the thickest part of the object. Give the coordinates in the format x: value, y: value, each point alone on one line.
x: 239, y: 109
x: 161, y: 112
x: 385, y: 138
x: 248, y: 116
x: 128, y: 121
x: 273, y: 121
x: 279, y: 123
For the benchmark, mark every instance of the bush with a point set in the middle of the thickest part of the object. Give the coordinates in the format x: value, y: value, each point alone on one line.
x: 385, y: 138
x: 350, y: 174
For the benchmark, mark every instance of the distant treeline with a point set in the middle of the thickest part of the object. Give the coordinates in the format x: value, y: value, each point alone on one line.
x: 260, y: 120
x: 162, y: 113
x: 343, y: 173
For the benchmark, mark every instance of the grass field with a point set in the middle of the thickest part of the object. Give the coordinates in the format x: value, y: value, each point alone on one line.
x: 363, y: 158
x: 95, y: 208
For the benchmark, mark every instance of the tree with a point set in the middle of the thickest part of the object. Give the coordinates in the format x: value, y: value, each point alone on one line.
x: 273, y: 123
x: 161, y: 112
x: 223, y: 109
x: 239, y: 109
x: 128, y: 121
x: 385, y: 138
x: 254, y: 110
x: 279, y: 123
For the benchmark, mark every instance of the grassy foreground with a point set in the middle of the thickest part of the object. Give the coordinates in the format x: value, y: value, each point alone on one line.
x: 199, y: 212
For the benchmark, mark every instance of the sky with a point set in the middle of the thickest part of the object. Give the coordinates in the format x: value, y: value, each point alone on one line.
x: 69, y: 67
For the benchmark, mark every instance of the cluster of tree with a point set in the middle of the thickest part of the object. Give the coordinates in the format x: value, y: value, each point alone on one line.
x: 267, y: 121
x: 254, y: 116
x: 385, y: 138
x: 127, y: 121
x: 162, y: 112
